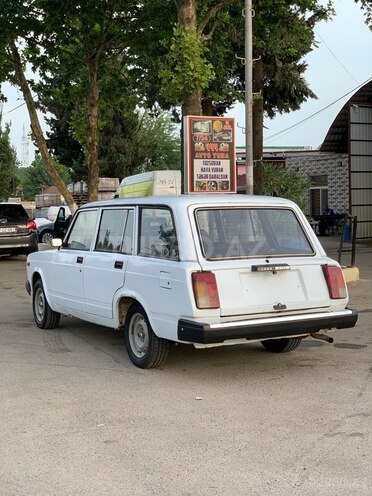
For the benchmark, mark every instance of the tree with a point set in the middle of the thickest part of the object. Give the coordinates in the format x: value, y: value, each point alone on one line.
x: 136, y: 143
x: 18, y: 20
x: 90, y: 36
x: 201, y: 71
x: 34, y: 179
x: 131, y: 140
x: 366, y: 6
x: 279, y: 181
x: 8, y: 164
x: 78, y: 47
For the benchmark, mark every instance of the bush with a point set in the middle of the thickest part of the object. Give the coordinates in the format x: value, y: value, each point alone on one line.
x: 276, y: 180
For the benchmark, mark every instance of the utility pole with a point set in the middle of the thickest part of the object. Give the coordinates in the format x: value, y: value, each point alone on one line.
x: 248, y: 97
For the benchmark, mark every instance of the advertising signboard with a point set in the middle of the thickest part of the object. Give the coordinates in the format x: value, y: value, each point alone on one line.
x: 210, y: 165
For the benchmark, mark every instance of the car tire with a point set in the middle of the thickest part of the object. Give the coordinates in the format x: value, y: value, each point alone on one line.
x: 45, y: 317
x: 281, y: 345
x: 144, y: 348
x: 46, y: 237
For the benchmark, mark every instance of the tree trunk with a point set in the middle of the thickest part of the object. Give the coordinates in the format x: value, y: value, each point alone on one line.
x: 92, y: 137
x: 187, y: 20
x: 37, y: 131
x: 191, y: 105
x: 208, y: 107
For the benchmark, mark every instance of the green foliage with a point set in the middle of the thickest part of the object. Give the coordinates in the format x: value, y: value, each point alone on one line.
x: 138, y: 143
x: 142, y: 59
x: 278, y: 181
x: 33, y: 179
x: 186, y: 68
x: 366, y: 6
x: 8, y: 164
x: 283, y: 33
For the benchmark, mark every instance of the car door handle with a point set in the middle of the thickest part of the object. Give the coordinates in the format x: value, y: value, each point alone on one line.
x: 118, y: 264
x: 80, y: 260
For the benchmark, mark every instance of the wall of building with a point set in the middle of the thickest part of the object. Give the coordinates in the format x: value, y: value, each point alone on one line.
x: 334, y: 165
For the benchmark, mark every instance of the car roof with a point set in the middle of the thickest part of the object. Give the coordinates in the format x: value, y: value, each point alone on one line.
x: 188, y: 200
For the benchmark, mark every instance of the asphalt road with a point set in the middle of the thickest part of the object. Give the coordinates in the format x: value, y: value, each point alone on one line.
x: 77, y: 418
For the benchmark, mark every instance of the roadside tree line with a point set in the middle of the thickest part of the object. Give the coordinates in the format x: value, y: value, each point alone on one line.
x: 115, y: 77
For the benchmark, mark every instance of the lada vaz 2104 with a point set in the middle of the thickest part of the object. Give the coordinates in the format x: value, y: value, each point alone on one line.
x: 206, y: 270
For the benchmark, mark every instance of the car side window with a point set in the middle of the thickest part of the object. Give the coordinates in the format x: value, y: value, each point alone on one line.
x: 81, y: 234
x: 111, y: 229
x: 158, y: 237
x: 128, y: 234
x: 61, y: 216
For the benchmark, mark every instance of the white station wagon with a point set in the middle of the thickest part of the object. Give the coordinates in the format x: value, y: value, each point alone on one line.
x: 203, y: 270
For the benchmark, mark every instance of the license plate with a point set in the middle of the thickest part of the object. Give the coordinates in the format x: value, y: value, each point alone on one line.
x: 8, y: 230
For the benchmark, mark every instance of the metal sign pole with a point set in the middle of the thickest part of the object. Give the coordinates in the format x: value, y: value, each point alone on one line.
x: 248, y: 98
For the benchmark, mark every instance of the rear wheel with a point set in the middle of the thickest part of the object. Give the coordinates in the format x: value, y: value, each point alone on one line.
x: 144, y: 348
x: 281, y: 345
x: 44, y: 316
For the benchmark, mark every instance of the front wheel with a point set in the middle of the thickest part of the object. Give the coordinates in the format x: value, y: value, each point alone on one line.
x: 281, y: 345
x: 144, y: 348
x: 44, y: 316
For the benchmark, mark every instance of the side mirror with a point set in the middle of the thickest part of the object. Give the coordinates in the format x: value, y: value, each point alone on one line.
x: 56, y: 242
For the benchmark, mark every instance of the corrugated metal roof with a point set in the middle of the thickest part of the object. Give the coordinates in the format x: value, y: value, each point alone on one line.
x: 336, y: 139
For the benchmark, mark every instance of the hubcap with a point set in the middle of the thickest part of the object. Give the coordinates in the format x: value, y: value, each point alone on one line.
x: 46, y: 238
x: 39, y: 305
x: 138, y: 335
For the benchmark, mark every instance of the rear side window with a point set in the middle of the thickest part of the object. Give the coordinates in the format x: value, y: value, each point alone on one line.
x: 111, y: 230
x: 115, y: 231
x: 243, y: 232
x: 81, y: 234
x: 158, y: 237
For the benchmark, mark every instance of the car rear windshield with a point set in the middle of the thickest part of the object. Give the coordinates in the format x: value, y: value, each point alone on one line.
x: 13, y: 212
x: 251, y: 232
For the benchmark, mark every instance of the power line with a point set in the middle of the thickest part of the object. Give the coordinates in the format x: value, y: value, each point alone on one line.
x: 338, y: 60
x: 316, y: 113
x: 15, y: 108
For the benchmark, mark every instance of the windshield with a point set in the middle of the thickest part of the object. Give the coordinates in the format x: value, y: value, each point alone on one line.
x: 250, y: 232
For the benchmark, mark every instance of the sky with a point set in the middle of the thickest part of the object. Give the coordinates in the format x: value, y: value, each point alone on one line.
x: 341, y: 63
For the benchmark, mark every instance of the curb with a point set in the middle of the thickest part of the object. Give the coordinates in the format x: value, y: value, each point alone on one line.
x: 351, y: 274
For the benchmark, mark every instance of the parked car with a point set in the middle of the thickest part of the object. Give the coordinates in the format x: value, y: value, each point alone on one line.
x: 49, y: 229
x: 204, y: 270
x: 17, y: 231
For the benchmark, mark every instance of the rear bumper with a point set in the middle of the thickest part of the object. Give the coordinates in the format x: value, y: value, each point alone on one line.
x: 18, y: 244
x: 294, y: 325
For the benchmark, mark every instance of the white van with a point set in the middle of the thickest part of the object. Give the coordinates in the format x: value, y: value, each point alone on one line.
x: 154, y: 183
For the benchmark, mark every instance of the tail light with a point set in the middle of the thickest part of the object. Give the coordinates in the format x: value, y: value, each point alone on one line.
x: 31, y: 225
x: 335, y: 282
x: 205, y: 290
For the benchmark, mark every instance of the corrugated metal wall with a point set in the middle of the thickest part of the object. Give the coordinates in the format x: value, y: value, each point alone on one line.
x: 360, y: 151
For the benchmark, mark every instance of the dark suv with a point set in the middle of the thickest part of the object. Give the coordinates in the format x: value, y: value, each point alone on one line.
x: 17, y: 231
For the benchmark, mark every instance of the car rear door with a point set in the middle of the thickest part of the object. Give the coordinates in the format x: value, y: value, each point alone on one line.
x: 262, y: 260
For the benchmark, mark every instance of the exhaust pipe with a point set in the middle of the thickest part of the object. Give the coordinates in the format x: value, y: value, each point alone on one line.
x: 322, y: 337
